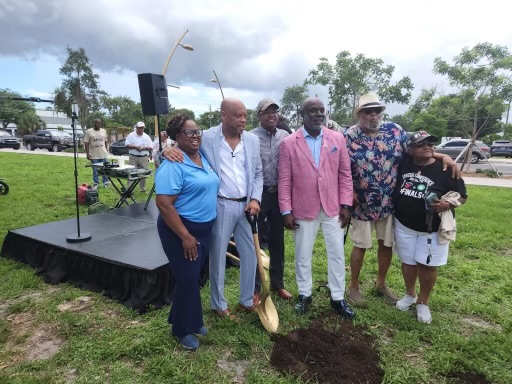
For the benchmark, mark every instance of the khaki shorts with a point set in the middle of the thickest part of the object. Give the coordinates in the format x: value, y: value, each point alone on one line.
x: 361, y: 232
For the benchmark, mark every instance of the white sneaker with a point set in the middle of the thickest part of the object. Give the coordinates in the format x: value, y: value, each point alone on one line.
x: 405, y: 302
x: 423, y: 313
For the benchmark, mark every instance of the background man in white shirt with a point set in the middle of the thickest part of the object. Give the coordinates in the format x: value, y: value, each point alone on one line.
x: 140, y: 146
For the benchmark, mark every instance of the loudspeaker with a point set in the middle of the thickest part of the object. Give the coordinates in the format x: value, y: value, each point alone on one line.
x: 153, y: 94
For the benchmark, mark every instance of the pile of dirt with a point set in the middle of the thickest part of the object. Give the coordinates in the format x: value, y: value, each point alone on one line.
x: 344, y: 354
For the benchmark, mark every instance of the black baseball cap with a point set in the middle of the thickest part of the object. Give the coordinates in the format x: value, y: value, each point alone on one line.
x: 418, y: 137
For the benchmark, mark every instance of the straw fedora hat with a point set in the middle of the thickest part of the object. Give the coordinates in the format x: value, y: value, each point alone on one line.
x: 369, y: 100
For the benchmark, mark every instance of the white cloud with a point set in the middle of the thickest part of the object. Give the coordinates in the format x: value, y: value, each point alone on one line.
x: 257, y: 48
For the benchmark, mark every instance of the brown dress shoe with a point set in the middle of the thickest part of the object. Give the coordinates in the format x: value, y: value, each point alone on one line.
x: 256, y: 299
x: 225, y: 314
x: 243, y: 308
x: 283, y: 293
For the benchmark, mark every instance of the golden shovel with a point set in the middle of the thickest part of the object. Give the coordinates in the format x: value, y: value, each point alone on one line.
x: 265, y: 309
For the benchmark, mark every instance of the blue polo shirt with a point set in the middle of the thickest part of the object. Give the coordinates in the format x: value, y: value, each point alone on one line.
x: 196, y: 188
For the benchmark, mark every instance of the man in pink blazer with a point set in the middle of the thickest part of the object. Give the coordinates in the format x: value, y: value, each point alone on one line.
x: 315, y: 188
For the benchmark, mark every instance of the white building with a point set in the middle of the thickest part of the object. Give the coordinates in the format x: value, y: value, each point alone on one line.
x: 57, y: 120
x: 52, y: 120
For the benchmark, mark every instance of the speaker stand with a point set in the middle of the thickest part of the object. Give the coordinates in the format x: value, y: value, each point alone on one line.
x: 159, y: 153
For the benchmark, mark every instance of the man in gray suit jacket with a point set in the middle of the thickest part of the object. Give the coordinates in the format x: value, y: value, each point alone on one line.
x: 234, y: 154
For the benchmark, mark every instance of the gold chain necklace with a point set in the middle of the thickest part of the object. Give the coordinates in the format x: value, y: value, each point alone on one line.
x: 420, y: 168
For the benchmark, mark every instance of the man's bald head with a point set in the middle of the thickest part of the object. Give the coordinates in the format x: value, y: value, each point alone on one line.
x: 313, y: 114
x: 234, y: 116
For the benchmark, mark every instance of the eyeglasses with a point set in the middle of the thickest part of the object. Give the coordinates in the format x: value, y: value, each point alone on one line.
x: 428, y: 144
x: 191, y: 133
x: 270, y: 112
x: 369, y: 111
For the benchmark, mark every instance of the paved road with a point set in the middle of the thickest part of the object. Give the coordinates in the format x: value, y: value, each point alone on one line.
x: 502, y: 164
x: 46, y: 152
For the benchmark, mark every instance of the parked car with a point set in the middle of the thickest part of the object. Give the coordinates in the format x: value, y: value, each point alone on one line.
x: 52, y: 140
x: 453, y: 148
x: 8, y: 141
x: 118, y: 148
x: 501, y: 148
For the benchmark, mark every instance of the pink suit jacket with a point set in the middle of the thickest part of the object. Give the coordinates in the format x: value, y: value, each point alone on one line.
x: 303, y: 188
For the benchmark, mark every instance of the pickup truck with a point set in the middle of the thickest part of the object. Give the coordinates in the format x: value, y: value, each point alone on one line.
x: 52, y: 140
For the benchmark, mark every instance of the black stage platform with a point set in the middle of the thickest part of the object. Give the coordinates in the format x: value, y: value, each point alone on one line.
x: 124, y: 259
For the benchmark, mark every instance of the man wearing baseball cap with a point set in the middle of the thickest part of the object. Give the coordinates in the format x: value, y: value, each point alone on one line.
x: 270, y: 217
x: 140, y: 146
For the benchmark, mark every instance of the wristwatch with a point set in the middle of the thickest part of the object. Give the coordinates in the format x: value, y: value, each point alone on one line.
x: 349, y: 207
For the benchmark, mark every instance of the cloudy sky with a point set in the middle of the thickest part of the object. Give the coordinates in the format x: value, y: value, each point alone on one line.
x: 257, y: 47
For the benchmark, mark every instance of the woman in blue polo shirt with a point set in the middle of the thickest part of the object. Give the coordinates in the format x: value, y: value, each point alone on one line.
x: 186, y: 195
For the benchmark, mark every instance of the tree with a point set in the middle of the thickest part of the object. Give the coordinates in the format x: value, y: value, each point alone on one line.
x: 433, y: 124
x: 291, y: 103
x: 80, y: 85
x: 21, y: 113
x: 482, y: 75
x: 182, y: 111
x: 350, y: 78
x: 121, y: 110
x: 209, y: 119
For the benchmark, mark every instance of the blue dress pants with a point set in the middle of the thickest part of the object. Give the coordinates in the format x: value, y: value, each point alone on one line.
x: 186, y: 314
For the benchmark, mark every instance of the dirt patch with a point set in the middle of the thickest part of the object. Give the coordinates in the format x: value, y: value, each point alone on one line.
x: 480, y: 323
x: 340, y: 354
x: 467, y: 378
x: 235, y: 368
x: 77, y: 305
x: 30, y: 341
x: 42, y: 344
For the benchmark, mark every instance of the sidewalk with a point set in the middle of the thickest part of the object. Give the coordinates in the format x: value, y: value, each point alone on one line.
x: 488, y: 181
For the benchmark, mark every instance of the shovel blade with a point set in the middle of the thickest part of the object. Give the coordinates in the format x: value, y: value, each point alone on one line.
x: 268, y: 314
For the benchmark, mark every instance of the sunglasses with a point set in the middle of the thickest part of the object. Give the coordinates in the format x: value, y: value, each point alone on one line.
x: 191, y: 133
x: 369, y: 111
x: 428, y: 144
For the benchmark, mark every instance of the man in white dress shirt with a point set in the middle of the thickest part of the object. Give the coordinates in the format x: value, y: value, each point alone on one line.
x: 140, y: 145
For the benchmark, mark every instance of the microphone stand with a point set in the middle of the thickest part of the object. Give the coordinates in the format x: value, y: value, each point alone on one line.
x: 76, y: 237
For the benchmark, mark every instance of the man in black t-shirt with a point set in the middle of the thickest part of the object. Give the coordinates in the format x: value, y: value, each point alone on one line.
x: 419, y: 202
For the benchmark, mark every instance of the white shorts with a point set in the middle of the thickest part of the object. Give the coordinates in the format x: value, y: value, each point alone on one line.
x: 412, y: 247
x: 361, y: 232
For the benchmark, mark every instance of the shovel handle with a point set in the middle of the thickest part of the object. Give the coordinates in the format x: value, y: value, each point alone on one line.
x: 253, y: 220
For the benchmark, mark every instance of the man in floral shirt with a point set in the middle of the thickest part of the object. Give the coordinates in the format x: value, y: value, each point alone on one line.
x: 376, y: 149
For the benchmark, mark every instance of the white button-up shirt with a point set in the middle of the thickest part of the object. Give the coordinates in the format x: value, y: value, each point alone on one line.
x: 233, y: 181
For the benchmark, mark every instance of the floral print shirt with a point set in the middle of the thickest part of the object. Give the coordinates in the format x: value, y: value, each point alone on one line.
x: 374, y: 163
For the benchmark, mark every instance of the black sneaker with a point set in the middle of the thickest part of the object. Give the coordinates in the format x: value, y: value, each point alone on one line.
x: 341, y: 307
x: 303, y: 304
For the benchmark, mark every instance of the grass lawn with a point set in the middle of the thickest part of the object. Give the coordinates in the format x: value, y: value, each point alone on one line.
x: 93, y: 339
